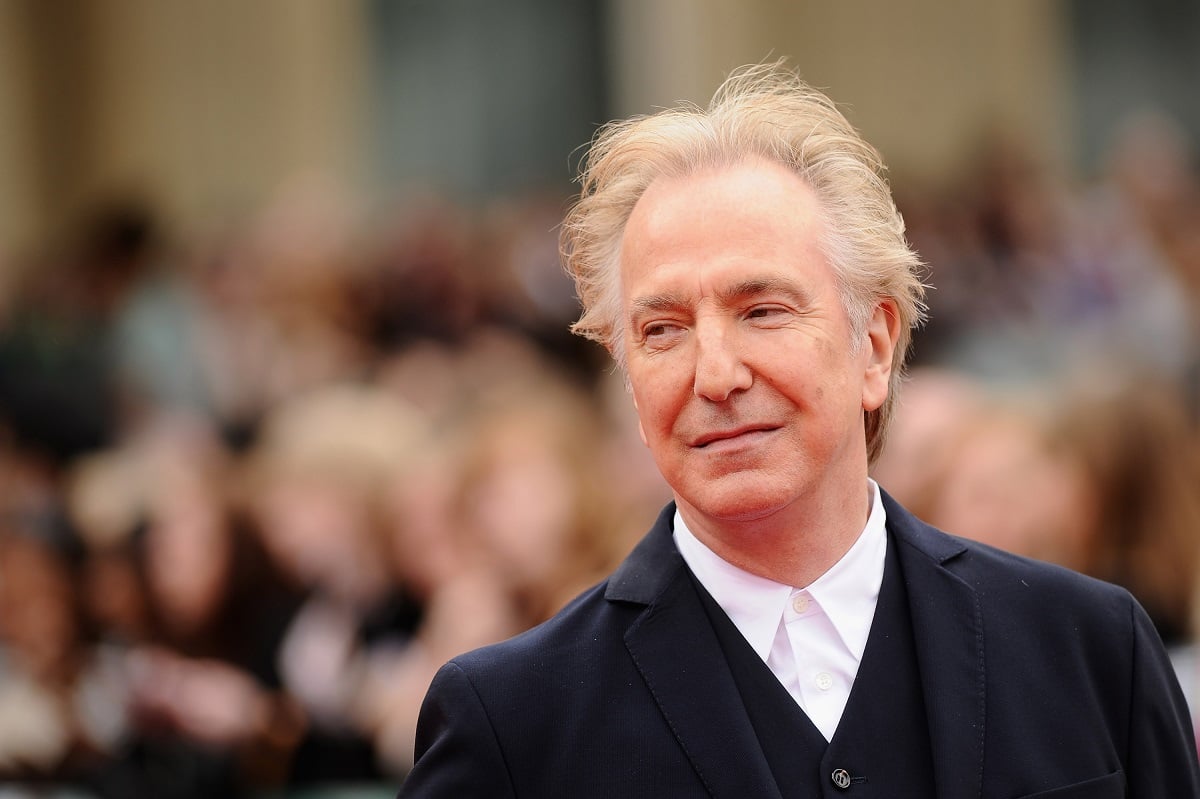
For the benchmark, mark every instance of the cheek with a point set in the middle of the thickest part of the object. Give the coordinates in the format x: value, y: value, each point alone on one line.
x: 645, y: 393
x: 656, y: 411
x: 647, y: 427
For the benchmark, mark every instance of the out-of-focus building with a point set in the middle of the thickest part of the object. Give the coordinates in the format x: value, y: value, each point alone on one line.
x: 208, y: 108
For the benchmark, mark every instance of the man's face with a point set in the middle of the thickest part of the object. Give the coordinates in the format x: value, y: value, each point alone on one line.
x: 750, y: 385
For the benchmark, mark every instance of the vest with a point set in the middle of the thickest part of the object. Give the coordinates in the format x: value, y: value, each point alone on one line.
x: 881, y: 748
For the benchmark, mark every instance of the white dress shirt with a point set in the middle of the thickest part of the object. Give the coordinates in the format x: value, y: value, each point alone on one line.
x: 812, y: 637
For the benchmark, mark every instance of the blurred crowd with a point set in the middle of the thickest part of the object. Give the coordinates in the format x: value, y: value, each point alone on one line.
x: 256, y: 485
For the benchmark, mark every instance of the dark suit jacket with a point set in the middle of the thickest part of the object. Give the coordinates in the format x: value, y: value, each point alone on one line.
x: 1037, y: 682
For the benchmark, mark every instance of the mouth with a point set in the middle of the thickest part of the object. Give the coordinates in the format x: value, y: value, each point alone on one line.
x: 737, y: 434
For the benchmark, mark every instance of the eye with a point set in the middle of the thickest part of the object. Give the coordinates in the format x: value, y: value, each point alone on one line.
x: 661, y: 334
x: 765, y: 312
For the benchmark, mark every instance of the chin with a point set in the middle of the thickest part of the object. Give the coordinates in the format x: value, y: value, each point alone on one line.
x: 741, y: 500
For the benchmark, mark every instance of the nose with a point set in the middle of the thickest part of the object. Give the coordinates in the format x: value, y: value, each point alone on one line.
x: 720, y: 369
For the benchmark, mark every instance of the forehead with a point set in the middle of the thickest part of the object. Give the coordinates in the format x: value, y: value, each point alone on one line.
x: 752, y: 218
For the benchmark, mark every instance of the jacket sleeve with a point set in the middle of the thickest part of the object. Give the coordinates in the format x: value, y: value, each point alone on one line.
x: 457, y: 753
x: 1162, y: 757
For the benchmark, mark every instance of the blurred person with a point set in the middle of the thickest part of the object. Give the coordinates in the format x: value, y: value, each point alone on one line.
x: 61, y: 698
x: 446, y: 379
x: 1151, y: 163
x: 937, y: 405
x: 1138, y: 451
x: 199, y: 631
x: 104, y: 495
x: 419, y: 281
x: 462, y: 601
x: 157, y: 358
x: 1136, y: 218
x: 529, y: 495
x: 59, y: 388
x: 523, y: 286
x: 786, y: 628
x: 46, y: 732
x: 1007, y: 482
x: 1016, y: 268
x: 1136, y: 448
x: 426, y: 374
x: 311, y: 485
x: 500, y: 525
x: 275, y: 307
x: 41, y: 661
x: 1034, y: 271
x: 636, y: 489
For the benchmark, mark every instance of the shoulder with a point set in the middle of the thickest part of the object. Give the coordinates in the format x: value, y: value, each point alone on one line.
x: 582, y: 648
x: 574, y: 639
x: 1027, y: 597
x: 1040, y: 596
x: 993, y: 570
x: 521, y: 689
x: 590, y: 629
x: 986, y: 568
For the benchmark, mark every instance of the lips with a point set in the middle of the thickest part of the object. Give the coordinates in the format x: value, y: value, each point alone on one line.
x: 727, y: 435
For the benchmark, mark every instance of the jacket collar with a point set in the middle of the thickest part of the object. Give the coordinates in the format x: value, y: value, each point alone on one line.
x: 947, y: 620
x: 650, y: 567
x: 674, y: 647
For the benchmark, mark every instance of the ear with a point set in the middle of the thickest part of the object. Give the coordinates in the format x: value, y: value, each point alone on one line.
x: 883, y: 333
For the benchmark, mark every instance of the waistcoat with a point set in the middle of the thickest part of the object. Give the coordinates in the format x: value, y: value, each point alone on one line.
x: 880, y: 749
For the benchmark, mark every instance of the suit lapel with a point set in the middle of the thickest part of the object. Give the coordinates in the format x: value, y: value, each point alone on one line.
x: 948, y: 634
x: 675, y: 649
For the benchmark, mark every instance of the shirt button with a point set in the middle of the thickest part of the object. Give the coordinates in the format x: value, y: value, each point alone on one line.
x: 824, y: 681
x: 800, y: 603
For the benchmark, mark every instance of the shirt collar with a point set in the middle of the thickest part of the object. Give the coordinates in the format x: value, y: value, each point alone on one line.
x: 847, y: 592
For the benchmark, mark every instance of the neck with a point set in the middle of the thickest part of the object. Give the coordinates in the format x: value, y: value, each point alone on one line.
x: 793, y: 545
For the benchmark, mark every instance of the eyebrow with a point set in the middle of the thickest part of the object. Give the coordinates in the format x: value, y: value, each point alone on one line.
x: 655, y: 303
x: 756, y: 286
x: 751, y: 287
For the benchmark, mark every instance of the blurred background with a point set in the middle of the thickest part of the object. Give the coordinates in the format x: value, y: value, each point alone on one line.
x: 289, y: 413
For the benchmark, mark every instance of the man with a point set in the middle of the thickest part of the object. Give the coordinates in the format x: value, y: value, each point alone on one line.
x: 786, y: 629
